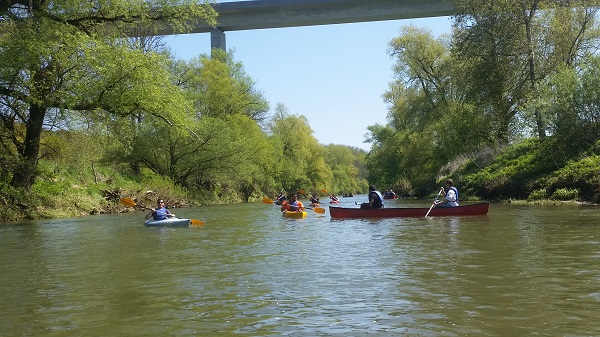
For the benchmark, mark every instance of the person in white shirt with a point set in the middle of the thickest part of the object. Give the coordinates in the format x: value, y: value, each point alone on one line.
x: 451, y: 198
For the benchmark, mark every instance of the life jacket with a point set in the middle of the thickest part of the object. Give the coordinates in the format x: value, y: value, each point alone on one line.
x: 160, y: 214
x: 455, y: 192
x: 378, y: 202
x: 294, y: 206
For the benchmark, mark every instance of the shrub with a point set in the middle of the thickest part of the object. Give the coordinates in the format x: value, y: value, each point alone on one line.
x: 565, y: 194
x: 537, y: 195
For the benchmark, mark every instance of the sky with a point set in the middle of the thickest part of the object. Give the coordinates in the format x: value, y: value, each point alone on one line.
x: 334, y: 75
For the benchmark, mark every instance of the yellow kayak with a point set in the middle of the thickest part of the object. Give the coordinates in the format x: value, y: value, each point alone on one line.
x: 296, y: 214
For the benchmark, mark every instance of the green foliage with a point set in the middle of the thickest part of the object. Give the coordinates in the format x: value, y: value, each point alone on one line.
x: 580, y: 174
x: 15, y: 204
x: 570, y: 101
x: 219, y: 87
x: 526, y: 171
x: 508, y: 175
x: 513, y: 70
x: 106, y: 116
x: 298, y: 150
x: 345, y: 163
x: 565, y: 194
x: 538, y: 195
x: 74, y: 57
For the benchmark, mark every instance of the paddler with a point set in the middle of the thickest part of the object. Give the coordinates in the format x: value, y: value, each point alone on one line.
x: 293, y: 205
x: 160, y: 212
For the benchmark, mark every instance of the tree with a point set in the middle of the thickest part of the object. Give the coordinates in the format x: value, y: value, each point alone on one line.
x: 424, y: 102
x: 346, y: 164
x: 572, y: 100
x: 62, y: 56
x: 509, y: 46
x: 300, y: 161
x: 219, y: 87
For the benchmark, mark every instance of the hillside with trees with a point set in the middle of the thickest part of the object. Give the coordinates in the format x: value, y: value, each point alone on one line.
x: 507, y: 105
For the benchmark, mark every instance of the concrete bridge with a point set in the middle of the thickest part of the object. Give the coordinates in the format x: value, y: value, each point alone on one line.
x: 261, y: 14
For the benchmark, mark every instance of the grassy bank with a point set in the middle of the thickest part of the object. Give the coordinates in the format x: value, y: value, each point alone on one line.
x: 61, y: 192
x: 532, y: 171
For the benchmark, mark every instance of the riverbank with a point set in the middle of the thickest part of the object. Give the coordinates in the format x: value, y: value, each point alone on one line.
x: 520, y: 174
x: 71, y: 193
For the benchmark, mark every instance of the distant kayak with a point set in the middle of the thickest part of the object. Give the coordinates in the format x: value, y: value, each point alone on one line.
x: 169, y: 222
x: 334, y: 202
x: 296, y: 214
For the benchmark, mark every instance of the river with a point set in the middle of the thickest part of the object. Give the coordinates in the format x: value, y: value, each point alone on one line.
x: 519, y: 271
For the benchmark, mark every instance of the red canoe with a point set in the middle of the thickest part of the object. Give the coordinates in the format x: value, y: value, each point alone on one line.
x: 473, y: 209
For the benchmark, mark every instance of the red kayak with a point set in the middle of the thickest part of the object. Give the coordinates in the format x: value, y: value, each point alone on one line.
x: 473, y: 209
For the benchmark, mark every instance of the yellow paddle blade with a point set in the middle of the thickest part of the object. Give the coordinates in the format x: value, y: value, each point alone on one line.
x: 319, y: 210
x: 196, y: 222
x: 267, y: 201
x: 128, y: 202
x: 301, y: 191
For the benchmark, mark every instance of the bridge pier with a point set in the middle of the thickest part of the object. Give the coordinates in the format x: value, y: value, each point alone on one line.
x: 217, y: 39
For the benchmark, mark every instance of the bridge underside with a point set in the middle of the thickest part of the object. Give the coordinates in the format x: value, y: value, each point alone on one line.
x: 262, y: 14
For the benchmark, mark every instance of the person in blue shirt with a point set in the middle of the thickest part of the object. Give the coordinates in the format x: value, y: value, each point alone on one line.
x: 160, y: 212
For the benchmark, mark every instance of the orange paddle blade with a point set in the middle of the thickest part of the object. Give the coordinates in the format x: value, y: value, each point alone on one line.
x: 196, y: 222
x: 267, y: 201
x: 319, y: 210
x: 128, y: 202
x: 324, y: 191
x: 301, y: 191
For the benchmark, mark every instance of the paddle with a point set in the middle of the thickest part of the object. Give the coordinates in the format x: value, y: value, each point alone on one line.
x: 196, y: 222
x: 319, y: 210
x: 130, y: 203
x: 440, y: 192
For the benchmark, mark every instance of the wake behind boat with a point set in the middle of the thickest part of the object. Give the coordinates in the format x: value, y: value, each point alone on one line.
x: 464, y: 210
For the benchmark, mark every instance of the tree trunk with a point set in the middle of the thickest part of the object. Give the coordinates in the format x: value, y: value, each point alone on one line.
x: 528, y: 19
x: 26, y: 172
x: 135, y: 167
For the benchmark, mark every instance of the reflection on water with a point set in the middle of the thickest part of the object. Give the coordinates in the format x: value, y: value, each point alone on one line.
x: 521, y: 270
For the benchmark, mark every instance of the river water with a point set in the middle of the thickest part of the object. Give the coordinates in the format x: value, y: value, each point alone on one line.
x: 519, y: 271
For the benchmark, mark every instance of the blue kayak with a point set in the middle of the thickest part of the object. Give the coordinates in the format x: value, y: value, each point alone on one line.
x: 169, y: 222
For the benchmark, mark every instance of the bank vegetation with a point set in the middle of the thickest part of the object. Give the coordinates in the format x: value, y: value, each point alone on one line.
x: 507, y: 105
